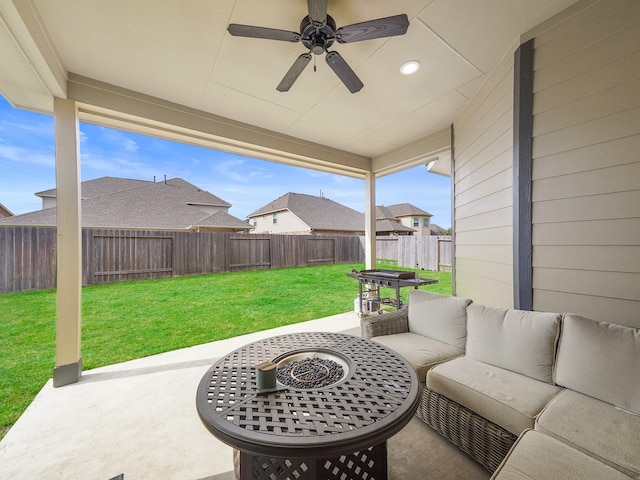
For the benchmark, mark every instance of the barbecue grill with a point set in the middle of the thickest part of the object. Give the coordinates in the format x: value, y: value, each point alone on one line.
x: 371, y: 280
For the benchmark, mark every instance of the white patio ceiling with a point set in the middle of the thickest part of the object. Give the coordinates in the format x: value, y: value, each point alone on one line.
x: 170, y: 68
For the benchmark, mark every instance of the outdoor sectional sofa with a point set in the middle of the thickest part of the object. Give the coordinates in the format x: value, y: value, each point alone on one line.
x: 529, y: 395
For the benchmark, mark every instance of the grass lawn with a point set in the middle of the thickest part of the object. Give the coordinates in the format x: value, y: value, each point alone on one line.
x: 124, y: 321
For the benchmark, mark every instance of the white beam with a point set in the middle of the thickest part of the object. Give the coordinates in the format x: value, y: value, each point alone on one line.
x: 412, y: 154
x: 116, y: 107
x: 370, y: 220
x: 31, y: 72
x: 69, y: 244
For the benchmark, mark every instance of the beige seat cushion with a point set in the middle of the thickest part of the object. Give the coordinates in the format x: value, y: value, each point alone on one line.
x: 505, y: 398
x: 598, y: 428
x: 517, y: 340
x: 441, y: 317
x: 601, y: 360
x: 536, y: 456
x: 421, y: 352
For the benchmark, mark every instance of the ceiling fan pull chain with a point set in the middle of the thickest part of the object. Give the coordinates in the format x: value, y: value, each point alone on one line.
x: 314, y: 64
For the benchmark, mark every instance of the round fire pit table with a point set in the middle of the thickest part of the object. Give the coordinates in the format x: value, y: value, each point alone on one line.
x: 298, y: 430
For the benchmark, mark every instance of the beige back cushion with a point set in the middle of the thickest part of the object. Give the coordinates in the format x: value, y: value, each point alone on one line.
x: 517, y: 340
x: 601, y: 360
x: 440, y: 317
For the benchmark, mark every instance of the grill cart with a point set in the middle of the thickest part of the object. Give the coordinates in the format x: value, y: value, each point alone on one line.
x: 370, y: 282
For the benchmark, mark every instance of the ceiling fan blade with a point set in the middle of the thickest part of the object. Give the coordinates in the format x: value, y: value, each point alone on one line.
x: 344, y: 72
x: 262, y: 32
x: 294, y: 72
x: 318, y: 11
x: 380, y: 28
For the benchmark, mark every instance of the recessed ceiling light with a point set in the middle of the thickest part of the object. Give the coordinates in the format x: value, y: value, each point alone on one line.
x: 410, y: 67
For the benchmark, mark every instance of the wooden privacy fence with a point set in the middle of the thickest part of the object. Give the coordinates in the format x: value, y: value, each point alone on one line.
x: 27, y: 258
x: 427, y: 252
x: 28, y: 254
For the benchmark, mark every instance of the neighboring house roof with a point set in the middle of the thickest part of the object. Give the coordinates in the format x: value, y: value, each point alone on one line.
x: 222, y: 219
x: 100, y: 186
x: 174, y: 204
x: 319, y: 213
x: 5, y: 212
x: 110, y: 185
x: 437, y: 230
x: 392, y: 226
x: 208, y: 199
x: 384, y: 213
x: 407, y: 210
x: 387, y: 222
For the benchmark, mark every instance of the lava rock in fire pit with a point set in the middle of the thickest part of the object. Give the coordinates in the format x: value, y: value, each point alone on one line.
x: 310, y: 373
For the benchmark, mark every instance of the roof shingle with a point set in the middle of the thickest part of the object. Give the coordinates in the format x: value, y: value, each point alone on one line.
x: 406, y: 209
x: 319, y: 213
x: 172, y: 204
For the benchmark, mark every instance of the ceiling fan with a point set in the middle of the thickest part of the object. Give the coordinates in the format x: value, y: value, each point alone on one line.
x: 317, y: 33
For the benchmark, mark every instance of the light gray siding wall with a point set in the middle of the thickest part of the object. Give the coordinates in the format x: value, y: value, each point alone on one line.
x: 420, y: 229
x: 586, y: 162
x: 483, y: 191
x: 287, y: 222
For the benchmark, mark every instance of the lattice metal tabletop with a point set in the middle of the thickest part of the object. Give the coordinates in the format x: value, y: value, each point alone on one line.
x: 376, y: 397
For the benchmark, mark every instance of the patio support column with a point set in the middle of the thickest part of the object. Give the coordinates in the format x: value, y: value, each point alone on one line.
x: 370, y: 220
x: 68, y: 367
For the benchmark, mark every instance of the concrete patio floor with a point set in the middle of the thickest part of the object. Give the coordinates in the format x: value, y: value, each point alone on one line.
x: 139, y: 419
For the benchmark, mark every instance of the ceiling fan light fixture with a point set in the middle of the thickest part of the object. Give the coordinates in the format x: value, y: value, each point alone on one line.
x: 410, y: 67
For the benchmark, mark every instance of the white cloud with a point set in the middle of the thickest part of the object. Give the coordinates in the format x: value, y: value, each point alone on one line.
x: 15, y: 128
x: 117, y: 140
x: 241, y: 170
x: 317, y: 174
x: 19, y: 202
x: 232, y: 168
x: 28, y: 156
x: 341, y: 179
x: 261, y: 173
x: 94, y: 166
x: 18, y: 186
x: 130, y: 145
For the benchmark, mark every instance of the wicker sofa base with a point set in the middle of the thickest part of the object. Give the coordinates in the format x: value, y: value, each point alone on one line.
x: 484, y: 441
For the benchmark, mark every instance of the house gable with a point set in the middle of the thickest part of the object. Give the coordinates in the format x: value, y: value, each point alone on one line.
x: 279, y: 221
x: 5, y: 212
x: 412, y: 219
x: 301, y: 213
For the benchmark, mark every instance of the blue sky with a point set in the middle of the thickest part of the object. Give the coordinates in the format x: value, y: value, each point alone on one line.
x: 27, y: 165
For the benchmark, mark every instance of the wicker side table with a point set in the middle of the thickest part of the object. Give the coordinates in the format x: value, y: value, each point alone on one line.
x: 337, y: 431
